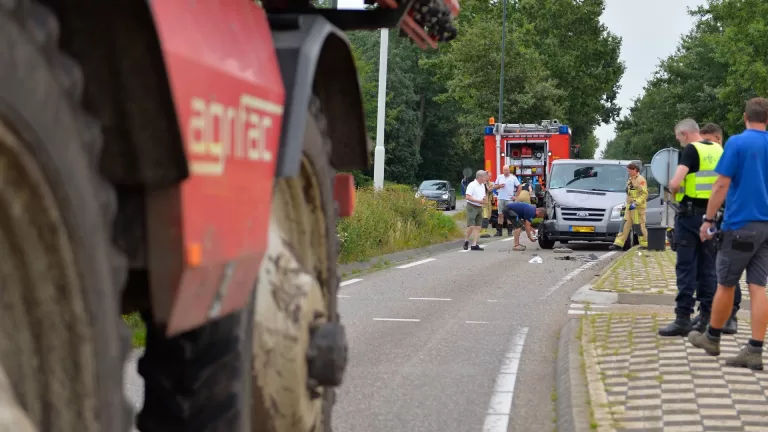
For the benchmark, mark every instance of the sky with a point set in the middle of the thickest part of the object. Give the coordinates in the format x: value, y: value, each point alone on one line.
x: 650, y: 31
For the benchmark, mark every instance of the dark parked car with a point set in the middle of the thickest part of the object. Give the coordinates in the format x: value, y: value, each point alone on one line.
x: 439, y: 191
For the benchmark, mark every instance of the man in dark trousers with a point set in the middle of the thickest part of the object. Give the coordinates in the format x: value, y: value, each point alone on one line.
x: 713, y: 132
x: 742, y: 182
x: 695, y: 268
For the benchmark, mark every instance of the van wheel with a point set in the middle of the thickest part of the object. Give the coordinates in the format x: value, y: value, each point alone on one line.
x: 544, y: 241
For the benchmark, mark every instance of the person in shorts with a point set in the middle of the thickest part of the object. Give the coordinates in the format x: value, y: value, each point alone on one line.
x: 506, y: 185
x: 476, y: 198
x: 743, y: 182
x: 520, y: 216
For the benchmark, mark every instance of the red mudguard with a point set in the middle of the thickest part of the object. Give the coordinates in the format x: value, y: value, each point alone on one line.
x: 207, y: 242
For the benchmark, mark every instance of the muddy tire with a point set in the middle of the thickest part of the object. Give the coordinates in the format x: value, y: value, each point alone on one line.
x: 62, y: 340
x: 195, y: 381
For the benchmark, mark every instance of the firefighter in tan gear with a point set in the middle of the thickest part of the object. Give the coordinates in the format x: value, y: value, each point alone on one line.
x: 634, y: 214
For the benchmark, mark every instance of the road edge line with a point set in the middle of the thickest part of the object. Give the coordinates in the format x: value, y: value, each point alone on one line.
x: 572, y: 394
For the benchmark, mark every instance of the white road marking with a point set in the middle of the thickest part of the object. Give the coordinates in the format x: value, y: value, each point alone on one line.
x: 583, y: 312
x: 349, y: 282
x: 428, y: 298
x: 413, y: 264
x: 492, y: 301
x: 342, y: 296
x: 574, y: 273
x: 508, y: 239
x: 476, y: 322
x: 581, y: 305
x: 397, y: 319
x: 464, y: 250
x: 500, y: 406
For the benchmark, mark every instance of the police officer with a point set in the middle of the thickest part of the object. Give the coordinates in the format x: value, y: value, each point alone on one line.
x: 713, y: 132
x: 695, y: 268
x: 634, y: 214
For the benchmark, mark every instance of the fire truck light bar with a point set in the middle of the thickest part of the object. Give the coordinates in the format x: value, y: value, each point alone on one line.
x: 544, y: 129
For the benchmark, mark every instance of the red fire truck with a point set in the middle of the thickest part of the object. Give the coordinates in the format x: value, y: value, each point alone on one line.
x: 528, y: 149
x: 178, y: 158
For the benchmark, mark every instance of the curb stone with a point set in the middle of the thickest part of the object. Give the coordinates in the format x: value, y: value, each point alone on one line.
x: 572, y: 394
x: 660, y: 300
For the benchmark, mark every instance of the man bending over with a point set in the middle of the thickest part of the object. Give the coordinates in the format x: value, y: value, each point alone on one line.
x: 520, y: 215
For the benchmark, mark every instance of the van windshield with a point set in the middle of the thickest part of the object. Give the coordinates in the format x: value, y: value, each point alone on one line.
x: 605, y: 178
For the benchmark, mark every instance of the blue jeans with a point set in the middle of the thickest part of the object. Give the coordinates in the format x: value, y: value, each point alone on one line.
x: 695, y: 268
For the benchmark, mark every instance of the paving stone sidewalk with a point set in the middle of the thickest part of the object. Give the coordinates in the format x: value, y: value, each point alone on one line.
x: 639, y: 381
x: 646, y: 272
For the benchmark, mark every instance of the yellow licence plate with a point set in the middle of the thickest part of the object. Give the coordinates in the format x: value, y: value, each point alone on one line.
x: 582, y: 229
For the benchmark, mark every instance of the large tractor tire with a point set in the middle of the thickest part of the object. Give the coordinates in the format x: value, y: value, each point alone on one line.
x: 287, y: 341
x: 62, y: 340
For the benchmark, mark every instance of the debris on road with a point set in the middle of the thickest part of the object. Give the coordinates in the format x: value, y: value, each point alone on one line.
x: 562, y: 250
x: 536, y: 260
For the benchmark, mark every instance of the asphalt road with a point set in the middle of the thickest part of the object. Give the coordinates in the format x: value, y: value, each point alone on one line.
x: 460, y: 204
x: 459, y: 342
x: 464, y: 341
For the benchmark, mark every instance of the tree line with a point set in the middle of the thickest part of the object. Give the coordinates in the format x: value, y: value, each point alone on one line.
x: 720, y: 64
x: 560, y: 62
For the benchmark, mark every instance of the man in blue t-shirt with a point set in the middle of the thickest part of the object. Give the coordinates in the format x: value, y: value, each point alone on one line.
x: 743, y: 182
x: 520, y: 215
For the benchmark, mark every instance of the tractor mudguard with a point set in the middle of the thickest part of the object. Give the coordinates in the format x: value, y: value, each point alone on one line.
x: 316, y: 61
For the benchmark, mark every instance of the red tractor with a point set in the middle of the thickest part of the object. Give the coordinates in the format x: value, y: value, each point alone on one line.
x: 178, y: 158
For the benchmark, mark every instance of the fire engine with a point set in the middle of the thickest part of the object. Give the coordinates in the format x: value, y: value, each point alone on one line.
x: 528, y: 150
x: 179, y: 159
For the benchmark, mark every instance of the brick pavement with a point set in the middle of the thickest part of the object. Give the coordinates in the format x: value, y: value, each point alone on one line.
x: 645, y: 272
x: 639, y: 381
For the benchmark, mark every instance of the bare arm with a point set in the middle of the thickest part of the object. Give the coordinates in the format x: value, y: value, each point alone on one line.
x: 680, y: 174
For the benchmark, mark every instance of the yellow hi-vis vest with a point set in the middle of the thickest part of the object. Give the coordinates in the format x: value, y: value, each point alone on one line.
x: 699, y: 184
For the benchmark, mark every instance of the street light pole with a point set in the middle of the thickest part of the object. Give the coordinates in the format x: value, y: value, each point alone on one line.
x: 501, y: 90
x: 378, y: 154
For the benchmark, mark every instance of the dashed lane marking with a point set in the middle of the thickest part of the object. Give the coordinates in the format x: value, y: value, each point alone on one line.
x: 429, y: 298
x: 500, y: 406
x: 508, y: 239
x: 581, y: 305
x: 342, y: 296
x: 349, y: 282
x: 574, y: 273
x: 476, y: 322
x: 397, y: 319
x: 413, y: 264
x: 583, y: 312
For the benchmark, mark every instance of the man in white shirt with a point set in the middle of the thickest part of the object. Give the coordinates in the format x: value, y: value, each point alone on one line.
x: 476, y: 197
x: 507, y: 185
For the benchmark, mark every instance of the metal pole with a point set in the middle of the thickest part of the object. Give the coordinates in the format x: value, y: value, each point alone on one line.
x: 378, y: 154
x: 501, y: 90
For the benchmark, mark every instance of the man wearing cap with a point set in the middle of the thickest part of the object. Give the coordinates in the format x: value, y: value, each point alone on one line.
x: 506, y: 184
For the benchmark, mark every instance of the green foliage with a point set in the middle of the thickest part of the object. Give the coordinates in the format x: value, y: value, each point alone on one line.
x: 138, y: 329
x: 391, y: 220
x: 720, y: 64
x: 559, y: 62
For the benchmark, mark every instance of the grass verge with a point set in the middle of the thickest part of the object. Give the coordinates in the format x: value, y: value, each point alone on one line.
x: 138, y: 330
x: 391, y: 220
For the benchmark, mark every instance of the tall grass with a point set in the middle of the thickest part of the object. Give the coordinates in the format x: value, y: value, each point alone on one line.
x: 391, y: 220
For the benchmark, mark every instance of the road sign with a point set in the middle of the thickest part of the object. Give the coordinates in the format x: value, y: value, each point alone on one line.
x: 664, y: 164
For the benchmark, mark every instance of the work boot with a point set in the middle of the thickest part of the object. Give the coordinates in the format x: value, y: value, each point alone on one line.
x: 700, y: 323
x: 498, y: 233
x: 705, y: 341
x: 749, y: 357
x: 615, y: 247
x: 466, y: 245
x: 681, y: 326
x: 510, y: 232
x: 731, y: 326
